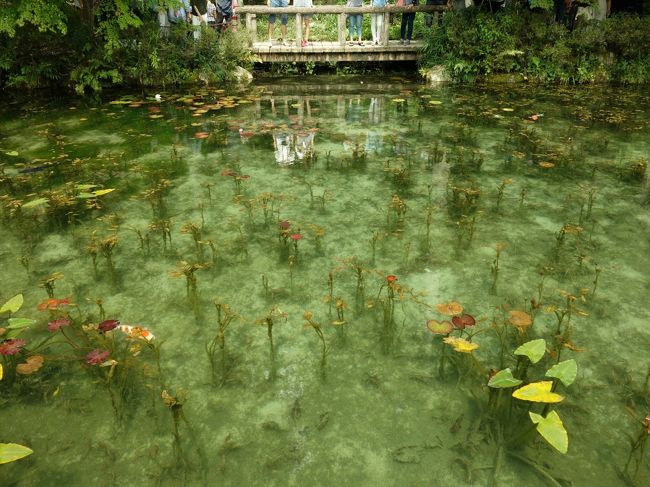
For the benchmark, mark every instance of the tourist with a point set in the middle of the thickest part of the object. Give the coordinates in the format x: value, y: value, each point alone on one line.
x: 377, y: 21
x: 199, y: 16
x: 182, y: 14
x: 224, y: 13
x: 356, y: 21
x: 284, y: 19
x: 428, y: 20
x: 407, y: 22
x: 306, y: 20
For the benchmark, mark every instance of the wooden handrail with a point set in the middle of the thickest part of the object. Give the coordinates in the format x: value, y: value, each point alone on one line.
x: 338, y: 9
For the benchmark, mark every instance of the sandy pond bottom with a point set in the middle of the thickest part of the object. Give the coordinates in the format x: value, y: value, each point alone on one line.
x: 347, y: 215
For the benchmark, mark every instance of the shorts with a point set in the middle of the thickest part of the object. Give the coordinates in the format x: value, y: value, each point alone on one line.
x: 284, y: 18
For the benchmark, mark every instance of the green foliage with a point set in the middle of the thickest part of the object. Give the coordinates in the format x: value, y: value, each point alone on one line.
x: 116, y: 45
x: 473, y: 45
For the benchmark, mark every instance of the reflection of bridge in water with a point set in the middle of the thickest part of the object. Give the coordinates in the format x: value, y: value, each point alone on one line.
x: 332, y: 51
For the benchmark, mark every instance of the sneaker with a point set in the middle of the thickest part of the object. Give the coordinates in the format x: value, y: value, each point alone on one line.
x: 303, y: 44
x: 376, y: 43
x: 350, y: 43
x: 361, y: 43
x: 401, y: 41
x: 408, y: 42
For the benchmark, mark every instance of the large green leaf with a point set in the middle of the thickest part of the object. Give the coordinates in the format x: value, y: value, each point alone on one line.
x: 10, y: 452
x: 503, y: 379
x: 552, y: 430
x: 565, y: 371
x: 533, y: 349
x: 13, y: 304
x: 538, y: 392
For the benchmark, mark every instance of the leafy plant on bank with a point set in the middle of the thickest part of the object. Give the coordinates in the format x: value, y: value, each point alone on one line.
x: 472, y: 45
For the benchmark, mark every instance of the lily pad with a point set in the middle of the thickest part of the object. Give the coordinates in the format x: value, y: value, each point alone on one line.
x: 552, y: 430
x: 13, y: 305
x: 565, y: 371
x: 440, y: 327
x: 503, y: 379
x: 10, y: 452
x: 533, y: 349
x: 538, y: 392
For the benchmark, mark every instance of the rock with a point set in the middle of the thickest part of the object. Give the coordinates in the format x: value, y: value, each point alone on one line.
x: 241, y: 75
x: 436, y: 74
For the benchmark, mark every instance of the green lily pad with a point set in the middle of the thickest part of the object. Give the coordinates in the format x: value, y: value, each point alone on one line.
x: 36, y: 202
x: 565, y: 371
x: 10, y: 452
x: 503, y: 379
x: 552, y: 430
x: 13, y: 305
x: 533, y: 349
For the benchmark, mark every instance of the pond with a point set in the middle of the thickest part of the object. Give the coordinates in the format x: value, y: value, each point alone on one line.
x: 314, y: 282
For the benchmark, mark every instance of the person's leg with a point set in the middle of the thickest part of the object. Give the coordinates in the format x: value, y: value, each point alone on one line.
x: 359, y: 25
x: 410, y: 26
x: 402, y: 29
x: 351, y: 21
x: 271, y: 24
x: 284, y: 19
x: 380, y: 26
x: 305, y: 30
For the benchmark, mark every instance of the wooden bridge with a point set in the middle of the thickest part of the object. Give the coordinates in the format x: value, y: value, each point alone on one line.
x: 332, y: 51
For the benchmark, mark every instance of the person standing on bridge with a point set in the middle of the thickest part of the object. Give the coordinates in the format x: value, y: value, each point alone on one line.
x: 284, y: 19
x: 407, y: 22
x: 356, y: 22
x: 199, y: 16
x: 306, y: 20
x: 377, y: 21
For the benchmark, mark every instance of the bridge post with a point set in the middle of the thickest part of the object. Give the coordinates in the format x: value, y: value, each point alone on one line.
x: 342, y: 29
x: 251, y: 26
x: 298, y: 29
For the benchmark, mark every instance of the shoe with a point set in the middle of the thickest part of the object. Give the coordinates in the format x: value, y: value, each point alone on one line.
x: 303, y: 44
x: 284, y: 43
x: 376, y: 43
x: 350, y: 43
x: 361, y: 43
x: 408, y: 42
x: 401, y: 41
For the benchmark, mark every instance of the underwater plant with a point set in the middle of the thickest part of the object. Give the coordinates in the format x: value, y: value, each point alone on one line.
x: 501, y: 190
x: 310, y: 323
x: 225, y: 316
x: 495, y: 268
x: 192, y: 229
x: 48, y: 283
x: 191, y: 286
x: 269, y: 321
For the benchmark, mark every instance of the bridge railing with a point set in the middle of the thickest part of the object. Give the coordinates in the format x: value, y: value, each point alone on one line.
x: 250, y: 12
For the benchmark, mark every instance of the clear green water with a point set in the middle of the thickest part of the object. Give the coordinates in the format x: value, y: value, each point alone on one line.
x: 381, y: 411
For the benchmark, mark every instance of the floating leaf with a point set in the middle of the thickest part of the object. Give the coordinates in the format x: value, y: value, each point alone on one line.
x: 552, y: 430
x: 520, y: 319
x: 12, y: 153
x: 13, y: 304
x: 533, y: 349
x: 565, y: 371
x: 10, y: 452
x: 102, y: 192
x: 538, y: 392
x: 508, y: 109
x: 32, y: 365
x: 461, y: 345
x: 503, y: 379
x: 16, y: 323
x: 451, y: 308
x: 85, y: 196
x: 398, y: 100
x: 435, y: 102
x: 1, y: 372
x: 36, y: 202
x: 440, y: 327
